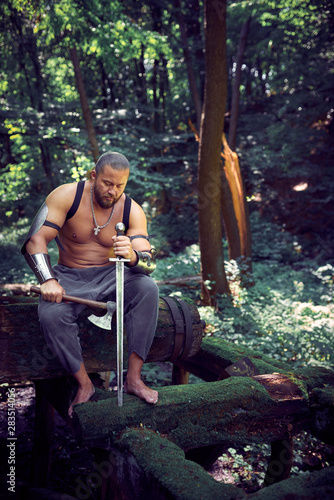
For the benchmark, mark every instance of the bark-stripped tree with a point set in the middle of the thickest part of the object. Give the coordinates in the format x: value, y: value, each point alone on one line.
x: 84, y: 103
x: 235, y: 210
x: 209, y: 176
x: 234, y: 203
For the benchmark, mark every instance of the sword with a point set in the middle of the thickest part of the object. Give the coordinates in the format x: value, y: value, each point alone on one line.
x: 120, y: 228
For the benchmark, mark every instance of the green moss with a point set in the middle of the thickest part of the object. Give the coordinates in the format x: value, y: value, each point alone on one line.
x: 315, y: 376
x: 219, y: 349
x: 323, y: 397
x: 299, y: 383
x: 166, y: 463
x: 307, y: 486
x: 191, y: 415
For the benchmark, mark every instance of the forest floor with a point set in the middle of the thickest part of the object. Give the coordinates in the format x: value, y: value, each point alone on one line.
x: 71, y: 464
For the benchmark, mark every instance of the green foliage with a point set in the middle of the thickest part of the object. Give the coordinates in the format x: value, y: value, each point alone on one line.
x: 136, y: 81
x: 185, y: 264
x: 245, y: 468
x: 288, y: 313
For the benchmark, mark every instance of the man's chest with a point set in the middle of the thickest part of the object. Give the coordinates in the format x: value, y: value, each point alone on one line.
x: 85, y: 228
x: 86, y: 233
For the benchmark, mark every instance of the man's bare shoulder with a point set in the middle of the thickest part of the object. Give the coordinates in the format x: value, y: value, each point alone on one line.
x: 137, y: 220
x: 63, y: 195
x: 60, y: 201
x: 136, y: 208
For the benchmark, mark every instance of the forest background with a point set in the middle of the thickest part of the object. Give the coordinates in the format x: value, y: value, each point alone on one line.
x: 134, y: 61
x: 80, y: 78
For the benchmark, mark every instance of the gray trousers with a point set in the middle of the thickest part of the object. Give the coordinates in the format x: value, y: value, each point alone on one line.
x: 58, y: 321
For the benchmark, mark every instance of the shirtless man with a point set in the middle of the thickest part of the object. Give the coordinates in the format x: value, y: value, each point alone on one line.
x: 82, y: 218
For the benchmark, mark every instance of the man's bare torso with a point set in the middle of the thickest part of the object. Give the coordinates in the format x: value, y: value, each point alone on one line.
x: 81, y: 247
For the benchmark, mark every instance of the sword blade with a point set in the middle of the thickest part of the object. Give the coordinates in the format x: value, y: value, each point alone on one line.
x: 120, y: 328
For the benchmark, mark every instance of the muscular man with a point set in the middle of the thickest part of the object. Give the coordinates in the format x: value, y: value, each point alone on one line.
x: 82, y: 218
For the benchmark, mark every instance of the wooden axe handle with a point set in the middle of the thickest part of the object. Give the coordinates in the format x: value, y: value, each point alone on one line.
x: 78, y: 300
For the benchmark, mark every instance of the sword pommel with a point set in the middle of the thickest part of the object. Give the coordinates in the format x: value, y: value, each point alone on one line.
x: 120, y: 228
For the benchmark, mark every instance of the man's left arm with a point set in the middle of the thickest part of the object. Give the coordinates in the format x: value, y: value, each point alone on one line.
x: 136, y: 245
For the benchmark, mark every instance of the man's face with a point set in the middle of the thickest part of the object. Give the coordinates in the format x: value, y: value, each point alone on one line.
x: 109, y: 186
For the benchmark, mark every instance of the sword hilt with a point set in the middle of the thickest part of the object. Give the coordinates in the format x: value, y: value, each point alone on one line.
x: 120, y: 228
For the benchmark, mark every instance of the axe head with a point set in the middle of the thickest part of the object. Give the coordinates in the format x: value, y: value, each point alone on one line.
x: 104, y: 321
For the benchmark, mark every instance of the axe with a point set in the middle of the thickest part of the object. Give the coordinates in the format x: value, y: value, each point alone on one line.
x: 100, y: 321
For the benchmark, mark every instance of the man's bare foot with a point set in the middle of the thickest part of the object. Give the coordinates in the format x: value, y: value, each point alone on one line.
x: 138, y: 388
x: 83, y: 395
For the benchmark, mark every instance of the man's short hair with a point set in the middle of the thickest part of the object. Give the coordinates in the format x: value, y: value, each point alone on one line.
x: 117, y: 161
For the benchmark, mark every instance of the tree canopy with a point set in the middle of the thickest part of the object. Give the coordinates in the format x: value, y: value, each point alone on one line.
x: 143, y: 71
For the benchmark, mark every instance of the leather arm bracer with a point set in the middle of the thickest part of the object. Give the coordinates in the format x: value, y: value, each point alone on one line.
x: 40, y: 264
x: 146, y: 262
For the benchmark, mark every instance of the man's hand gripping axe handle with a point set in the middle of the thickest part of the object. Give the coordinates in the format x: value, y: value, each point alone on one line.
x: 120, y: 228
x: 100, y: 321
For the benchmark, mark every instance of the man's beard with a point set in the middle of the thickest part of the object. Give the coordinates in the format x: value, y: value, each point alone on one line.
x: 104, y: 202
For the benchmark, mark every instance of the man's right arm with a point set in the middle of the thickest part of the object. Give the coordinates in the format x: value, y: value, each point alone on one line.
x: 39, y: 261
x: 36, y: 247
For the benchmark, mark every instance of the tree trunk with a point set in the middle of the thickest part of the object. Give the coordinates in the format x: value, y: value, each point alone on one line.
x: 193, y: 21
x: 236, y: 87
x: 141, y: 87
x: 104, y: 90
x: 212, y: 125
x: 190, y: 69
x: 46, y: 162
x: 34, y: 84
x: 262, y: 80
x: 84, y: 103
x: 163, y: 89
x: 156, y: 120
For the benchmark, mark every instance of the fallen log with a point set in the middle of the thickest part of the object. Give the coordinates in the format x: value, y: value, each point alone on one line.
x: 25, y: 356
x: 235, y: 410
x: 216, y: 357
x: 216, y: 354
x: 143, y: 464
x: 307, y: 486
x: 182, y: 281
x: 146, y: 465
